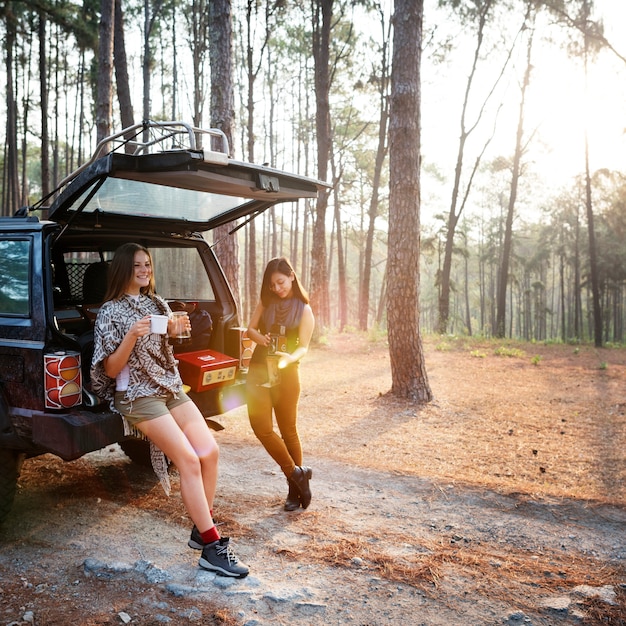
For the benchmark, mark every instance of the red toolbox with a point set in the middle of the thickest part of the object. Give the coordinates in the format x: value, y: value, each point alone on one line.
x: 206, y: 369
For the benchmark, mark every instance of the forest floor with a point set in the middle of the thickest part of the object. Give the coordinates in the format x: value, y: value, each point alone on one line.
x: 503, y: 501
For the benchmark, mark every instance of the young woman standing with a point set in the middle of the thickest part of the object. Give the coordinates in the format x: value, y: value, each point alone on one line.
x: 281, y: 326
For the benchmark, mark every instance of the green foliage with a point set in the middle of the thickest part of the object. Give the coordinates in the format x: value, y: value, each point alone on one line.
x: 376, y: 334
x: 509, y: 352
x: 78, y: 19
x: 323, y: 340
x: 536, y: 359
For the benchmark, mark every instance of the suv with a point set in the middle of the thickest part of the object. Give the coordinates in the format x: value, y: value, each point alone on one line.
x: 53, y: 274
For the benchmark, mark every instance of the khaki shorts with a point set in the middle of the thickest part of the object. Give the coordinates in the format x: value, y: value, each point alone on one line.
x: 149, y: 408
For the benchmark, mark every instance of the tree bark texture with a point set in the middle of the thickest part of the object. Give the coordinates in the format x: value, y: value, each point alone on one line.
x: 121, y: 69
x: 408, y: 370
x: 381, y: 154
x: 222, y: 112
x: 200, y: 12
x: 322, y: 17
x: 43, y: 96
x: 104, y: 102
x: 10, y: 187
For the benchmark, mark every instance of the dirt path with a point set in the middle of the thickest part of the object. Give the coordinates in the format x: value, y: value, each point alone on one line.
x: 96, y: 541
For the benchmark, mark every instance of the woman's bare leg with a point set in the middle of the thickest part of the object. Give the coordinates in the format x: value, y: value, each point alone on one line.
x: 199, y: 435
x: 169, y: 436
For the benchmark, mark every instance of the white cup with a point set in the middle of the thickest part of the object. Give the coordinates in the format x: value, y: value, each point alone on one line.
x: 158, y: 324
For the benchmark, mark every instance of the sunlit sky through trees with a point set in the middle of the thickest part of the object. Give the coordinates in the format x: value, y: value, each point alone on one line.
x: 555, y: 105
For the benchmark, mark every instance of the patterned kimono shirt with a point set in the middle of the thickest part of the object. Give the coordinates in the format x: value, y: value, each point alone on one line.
x: 153, y: 368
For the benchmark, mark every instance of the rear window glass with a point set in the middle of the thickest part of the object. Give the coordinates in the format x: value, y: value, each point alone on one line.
x: 179, y: 274
x: 139, y: 199
x: 15, y: 259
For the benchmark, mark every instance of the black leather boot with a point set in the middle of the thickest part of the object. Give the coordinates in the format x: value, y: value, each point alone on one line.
x: 300, y: 478
x: 292, y: 502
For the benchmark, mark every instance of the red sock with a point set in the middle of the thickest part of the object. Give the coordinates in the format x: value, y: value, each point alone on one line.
x: 211, y: 535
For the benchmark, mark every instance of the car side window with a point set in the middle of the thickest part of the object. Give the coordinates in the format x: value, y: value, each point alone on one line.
x: 14, y: 276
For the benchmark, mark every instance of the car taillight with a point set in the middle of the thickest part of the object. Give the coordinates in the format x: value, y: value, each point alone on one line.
x: 62, y: 380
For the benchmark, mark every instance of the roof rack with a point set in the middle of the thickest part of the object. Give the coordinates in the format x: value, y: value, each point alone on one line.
x: 179, y: 135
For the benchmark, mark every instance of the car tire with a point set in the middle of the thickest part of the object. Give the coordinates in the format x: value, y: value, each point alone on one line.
x: 137, y: 450
x: 10, y: 465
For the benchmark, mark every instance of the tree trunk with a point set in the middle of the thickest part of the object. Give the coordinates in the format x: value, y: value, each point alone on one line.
x: 105, y: 69
x: 10, y: 179
x: 304, y: 266
x: 146, y: 65
x: 55, y: 59
x: 578, y: 297
x: 251, y: 76
x: 322, y: 17
x: 562, y: 293
x: 198, y: 25
x: 220, y: 35
x: 382, y: 302
x: 468, y: 311
x: 515, y: 176
x: 342, y: 282
x: 593, y: 253
x: 381, y: 153
x: 25, y: 63
x: 250, y: 278
x: 408, y: 370
x: 43, y: 96
x: 456, y: 210
x: 121, y: 69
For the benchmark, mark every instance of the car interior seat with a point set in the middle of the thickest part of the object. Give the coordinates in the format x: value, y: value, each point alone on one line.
x: 94, y: 289
x: 95, y: 282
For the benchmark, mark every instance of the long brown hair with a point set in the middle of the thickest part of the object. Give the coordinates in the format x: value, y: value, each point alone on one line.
x: 283, y: 266
x: 122, y: 269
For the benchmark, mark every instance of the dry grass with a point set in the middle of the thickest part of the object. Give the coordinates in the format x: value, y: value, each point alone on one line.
x: 492, y: 570
x: 555, y: 428
x: 497, y: 573
x: 598, y: 612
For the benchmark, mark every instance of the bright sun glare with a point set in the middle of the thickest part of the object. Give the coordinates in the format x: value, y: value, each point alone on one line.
x: 560, y: 110
x: 555, y: 106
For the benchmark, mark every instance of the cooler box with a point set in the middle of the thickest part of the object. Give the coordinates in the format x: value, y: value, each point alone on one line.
x: 206, y: 369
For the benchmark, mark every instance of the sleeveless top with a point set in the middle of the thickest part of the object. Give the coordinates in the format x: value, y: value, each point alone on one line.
x: 287, y: 313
